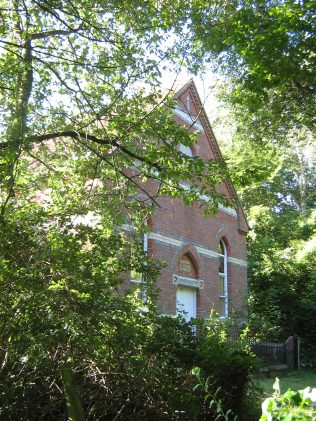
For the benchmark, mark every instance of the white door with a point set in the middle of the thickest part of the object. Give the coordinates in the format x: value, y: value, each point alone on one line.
x: 186, y: 302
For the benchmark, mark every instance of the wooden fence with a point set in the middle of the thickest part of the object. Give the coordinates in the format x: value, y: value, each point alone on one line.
x: 276, y: 356
x: 273, y: 356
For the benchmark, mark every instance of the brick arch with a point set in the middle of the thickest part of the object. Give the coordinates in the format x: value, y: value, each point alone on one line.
x: 190, y: 252
x: 222, y: 236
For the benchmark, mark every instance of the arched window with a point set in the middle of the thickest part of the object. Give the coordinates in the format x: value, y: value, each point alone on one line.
x: 222, y: 279
x: 186, y: 150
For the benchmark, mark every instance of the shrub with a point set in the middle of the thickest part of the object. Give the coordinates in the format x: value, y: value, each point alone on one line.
x: 61, y: 306
x: 139, y: 367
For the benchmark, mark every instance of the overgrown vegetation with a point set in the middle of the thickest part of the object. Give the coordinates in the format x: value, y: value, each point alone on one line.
x: 276, y: 183
x: 79, y: 99
x: 80, y: 106
x: 127, y: 363
x: 266, y: 50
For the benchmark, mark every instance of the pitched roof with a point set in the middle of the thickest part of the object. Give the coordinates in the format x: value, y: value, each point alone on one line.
x: 202, y: 119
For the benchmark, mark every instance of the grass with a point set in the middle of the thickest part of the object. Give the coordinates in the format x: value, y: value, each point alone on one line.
x: 295, y: 381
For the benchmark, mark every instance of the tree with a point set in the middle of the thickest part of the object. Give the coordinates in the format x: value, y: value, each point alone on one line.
x: 87, y: 142
x: 89, y: 76
x: 267, y: 51
x: 276, y: 183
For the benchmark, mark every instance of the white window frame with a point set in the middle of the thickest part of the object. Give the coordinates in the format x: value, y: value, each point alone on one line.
x: 142, y: 282
x: 224, y: 275
x: 142, y: 287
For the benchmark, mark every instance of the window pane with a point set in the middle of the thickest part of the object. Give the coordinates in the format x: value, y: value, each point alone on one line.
x: 186, y: 150
x: 221, y: 268
x: 220, y: 248
x: 221, y: 285
x: 222, y: 278
x: 222, y: 307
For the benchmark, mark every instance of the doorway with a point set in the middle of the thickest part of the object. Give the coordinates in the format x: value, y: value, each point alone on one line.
x: 186, y: 302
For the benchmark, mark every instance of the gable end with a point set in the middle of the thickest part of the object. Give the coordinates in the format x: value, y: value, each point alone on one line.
x: 200, y: 119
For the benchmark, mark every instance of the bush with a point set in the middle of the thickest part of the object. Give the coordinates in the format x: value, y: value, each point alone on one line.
x: 141, y: 370
x: 61, y: 306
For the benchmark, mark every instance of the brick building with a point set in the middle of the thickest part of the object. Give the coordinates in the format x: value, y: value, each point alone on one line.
x: 206, y: 258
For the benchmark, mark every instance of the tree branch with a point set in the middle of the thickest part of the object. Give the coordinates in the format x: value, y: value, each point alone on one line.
x: 55, y: 32
x: 84, y: 136
x: 122, y: 173
x: 56, y: 73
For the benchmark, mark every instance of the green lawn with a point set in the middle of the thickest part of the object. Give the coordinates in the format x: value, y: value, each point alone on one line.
x: 295, y: 381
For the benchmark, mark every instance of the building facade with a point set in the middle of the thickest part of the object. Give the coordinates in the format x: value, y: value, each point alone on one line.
x: 205, y: 258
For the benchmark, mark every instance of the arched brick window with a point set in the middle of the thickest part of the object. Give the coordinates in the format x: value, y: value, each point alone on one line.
x: 222, y: 279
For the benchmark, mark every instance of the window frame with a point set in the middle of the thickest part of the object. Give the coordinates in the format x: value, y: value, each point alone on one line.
x: 142, y: 282
x: 224, y: 276
x: 142, y: 288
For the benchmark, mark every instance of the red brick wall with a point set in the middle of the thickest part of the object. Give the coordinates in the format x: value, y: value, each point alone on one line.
x: 189, y: 232
x: 187, y: 225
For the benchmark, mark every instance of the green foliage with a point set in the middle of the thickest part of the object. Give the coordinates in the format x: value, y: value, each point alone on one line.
x: 282, y: 285
x: 80, y: 107
x: 276, y: 183
x: 125, y: 363
x: 267, y: 50
x: 85, y: 80
x: 211, y: 398
x: 291, y: 405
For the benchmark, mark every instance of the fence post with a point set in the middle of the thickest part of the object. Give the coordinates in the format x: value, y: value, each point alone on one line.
x: 292, y: 353
x: 296, y: 352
